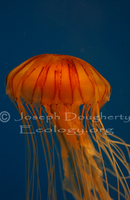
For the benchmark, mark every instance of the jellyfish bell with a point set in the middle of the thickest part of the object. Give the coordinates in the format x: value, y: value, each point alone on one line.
x: 71, y: 81
x: 55, y: 85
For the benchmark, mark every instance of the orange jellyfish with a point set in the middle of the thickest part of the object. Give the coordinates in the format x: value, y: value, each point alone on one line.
x: 69, y: 92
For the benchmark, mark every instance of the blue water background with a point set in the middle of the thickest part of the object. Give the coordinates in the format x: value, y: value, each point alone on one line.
x: 96, y: 31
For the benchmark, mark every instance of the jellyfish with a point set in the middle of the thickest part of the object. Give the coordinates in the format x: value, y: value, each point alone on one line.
x: 69, y: 92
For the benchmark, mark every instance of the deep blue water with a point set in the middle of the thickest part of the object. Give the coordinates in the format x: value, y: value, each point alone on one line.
x: 96, y: 31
